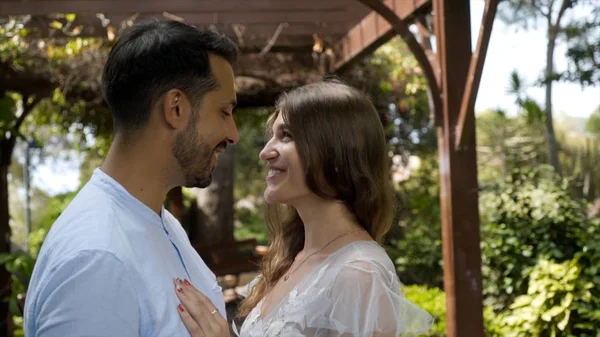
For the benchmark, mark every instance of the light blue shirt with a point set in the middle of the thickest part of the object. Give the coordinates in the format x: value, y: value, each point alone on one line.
x: 106, y: 268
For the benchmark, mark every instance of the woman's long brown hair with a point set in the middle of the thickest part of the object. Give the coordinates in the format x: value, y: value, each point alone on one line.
x: 341, y: 143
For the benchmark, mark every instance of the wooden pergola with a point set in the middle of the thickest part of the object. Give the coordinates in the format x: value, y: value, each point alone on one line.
x: 341, y: 31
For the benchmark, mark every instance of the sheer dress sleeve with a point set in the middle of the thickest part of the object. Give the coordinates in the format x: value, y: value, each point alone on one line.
x: 364, y: 300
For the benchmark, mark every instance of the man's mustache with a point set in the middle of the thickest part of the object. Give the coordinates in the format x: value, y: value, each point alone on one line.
x: 222, y: 145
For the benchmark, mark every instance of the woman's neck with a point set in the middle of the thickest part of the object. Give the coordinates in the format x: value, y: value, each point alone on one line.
x: 324, y: 221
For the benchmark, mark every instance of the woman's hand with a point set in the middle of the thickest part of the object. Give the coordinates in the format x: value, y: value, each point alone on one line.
x: 199, y: 314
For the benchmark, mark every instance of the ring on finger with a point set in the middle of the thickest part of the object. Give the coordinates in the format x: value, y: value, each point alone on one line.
x: 214, y: 312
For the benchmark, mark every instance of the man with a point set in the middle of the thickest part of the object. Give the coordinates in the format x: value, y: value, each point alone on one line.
x: 107, y: 265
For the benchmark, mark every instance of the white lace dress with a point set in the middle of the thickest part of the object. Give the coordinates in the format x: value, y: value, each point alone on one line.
x: 353, y: 292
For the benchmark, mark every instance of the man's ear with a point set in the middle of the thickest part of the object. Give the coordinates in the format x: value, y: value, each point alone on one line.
x: 176, y: 109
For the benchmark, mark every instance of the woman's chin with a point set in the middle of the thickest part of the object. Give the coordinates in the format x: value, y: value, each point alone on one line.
x: 273, y: 198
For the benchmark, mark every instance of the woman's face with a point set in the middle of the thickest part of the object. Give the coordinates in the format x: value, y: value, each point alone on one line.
x: 285, y: 178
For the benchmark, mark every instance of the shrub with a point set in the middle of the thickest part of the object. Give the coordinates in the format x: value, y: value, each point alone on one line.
x: 527, y: 217
x: 416, y: 244
x: 562, y: 300
x: 432, y: 300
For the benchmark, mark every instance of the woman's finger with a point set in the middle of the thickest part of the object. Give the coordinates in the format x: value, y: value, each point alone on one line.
x: 189, y: 322
x: 218, y: 324
x: 194, y: 308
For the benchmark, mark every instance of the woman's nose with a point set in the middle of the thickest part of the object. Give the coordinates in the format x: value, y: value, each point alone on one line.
x: 268, y: 152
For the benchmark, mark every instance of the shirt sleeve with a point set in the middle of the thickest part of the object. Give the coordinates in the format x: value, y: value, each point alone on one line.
x: 365, y: 301
x: 90, y: 294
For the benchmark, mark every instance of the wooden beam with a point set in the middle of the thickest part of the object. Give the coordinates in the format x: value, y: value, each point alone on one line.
x: 401, y: 28
x: 303, y: 28
x: 373, y: 31
x: 41, y: 7
x: 458, y: 177
x: 255, y: 17
x: 249, y: 35
x: 467, y: 113
x: 425, y: 37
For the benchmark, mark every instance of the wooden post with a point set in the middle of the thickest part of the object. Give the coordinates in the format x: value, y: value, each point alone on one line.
x: 458, y: 165
x: 458, y: 175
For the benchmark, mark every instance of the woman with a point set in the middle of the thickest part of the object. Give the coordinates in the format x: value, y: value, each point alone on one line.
x: 329, y: 202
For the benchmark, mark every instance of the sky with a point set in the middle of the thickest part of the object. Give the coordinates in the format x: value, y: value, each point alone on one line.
x: 525, y: 51
x: 509, y: 49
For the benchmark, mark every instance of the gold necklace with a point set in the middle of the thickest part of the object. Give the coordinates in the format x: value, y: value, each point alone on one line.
x: 306, y: 258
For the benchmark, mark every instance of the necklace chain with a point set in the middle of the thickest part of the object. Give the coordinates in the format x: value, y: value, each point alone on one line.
x: 287, y: 276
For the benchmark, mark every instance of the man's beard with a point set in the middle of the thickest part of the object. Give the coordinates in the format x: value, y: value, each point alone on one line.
x: 194, y: 157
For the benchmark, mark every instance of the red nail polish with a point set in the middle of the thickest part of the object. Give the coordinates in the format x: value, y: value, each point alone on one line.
x: 180, y: 308
x: 187, y: 283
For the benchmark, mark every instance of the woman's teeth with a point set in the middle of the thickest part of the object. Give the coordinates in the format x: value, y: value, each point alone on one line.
x: 273, y: 172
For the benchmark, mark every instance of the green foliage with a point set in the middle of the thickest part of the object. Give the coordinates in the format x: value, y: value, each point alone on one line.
x: 8, y: 104
x: 531, y: 109
x: 546, y: 307
x: 12, y: 42
x: 593, y: 123
x: 249, y: 223
x: 395, y: 83
x: 527, y: 217
x: 250, y: 175
x: 507, y: 143
x: 416, y: 248
x: 432, y: 300
x: 251, y: 171
x: 63, y: 77
x: 56, y: 205
x: 583, y: 48
x: 20, y: 266
x: 562, y: 299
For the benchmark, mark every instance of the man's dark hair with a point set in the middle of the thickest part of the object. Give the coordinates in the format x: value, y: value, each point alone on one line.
x: 153, y: 57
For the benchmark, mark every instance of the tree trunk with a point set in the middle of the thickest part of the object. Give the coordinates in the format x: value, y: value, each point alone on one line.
x: 5, y: 284
x: 549, y: 78
x: 215, y: 221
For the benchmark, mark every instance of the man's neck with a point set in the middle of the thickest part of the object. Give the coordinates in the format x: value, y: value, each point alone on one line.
x: 141, y: 170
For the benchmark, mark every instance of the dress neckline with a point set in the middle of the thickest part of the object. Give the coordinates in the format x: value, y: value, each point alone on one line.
x: 262, y: 317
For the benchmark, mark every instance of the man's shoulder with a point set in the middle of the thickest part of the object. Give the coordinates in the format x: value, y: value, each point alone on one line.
x: 85, y: 224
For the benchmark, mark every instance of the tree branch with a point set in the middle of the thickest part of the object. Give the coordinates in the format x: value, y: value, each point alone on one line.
x: 541, y: 10
x: 9, y: 146
x: 24, y: 82
x: 26, y: 110
x: 561, y: 12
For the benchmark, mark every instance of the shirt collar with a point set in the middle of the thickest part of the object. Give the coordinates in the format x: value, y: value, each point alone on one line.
x: 128, y: 201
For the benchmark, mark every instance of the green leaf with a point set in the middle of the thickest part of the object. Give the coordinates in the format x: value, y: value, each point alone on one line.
x: 56, y: 24
x: 567, y: 300
x: 563, y: 323
x: 553, y: 312
x: 7, y: 109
